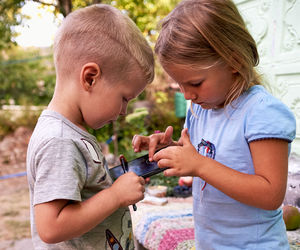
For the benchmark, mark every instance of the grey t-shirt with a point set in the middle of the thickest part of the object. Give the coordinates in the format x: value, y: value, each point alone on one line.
x: 65, y: 162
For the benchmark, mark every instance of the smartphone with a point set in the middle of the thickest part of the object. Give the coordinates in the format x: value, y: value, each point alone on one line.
x: 141, y: 166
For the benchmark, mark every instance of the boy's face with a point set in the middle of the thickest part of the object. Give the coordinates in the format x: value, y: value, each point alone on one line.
x: 108, y: 99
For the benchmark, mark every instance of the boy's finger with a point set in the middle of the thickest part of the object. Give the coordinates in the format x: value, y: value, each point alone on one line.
x: 142, y: 181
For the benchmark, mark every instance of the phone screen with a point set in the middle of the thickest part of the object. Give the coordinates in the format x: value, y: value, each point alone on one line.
x: 141, y: 166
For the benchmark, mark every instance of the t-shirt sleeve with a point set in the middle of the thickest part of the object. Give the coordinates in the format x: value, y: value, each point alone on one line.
x: 60, y: 172
x: 270, y: 118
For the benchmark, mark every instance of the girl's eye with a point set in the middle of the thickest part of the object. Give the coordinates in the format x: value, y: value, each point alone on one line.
x: 197, y: 84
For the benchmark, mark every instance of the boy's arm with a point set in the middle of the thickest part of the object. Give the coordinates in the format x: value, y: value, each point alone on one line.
x: 61, y: 220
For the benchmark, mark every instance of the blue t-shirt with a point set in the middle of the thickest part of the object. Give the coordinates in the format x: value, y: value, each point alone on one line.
x: 224, y: 135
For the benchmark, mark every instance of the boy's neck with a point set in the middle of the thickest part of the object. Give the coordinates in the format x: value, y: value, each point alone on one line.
x: 65, y: 105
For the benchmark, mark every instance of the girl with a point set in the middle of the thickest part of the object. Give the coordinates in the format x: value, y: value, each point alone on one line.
x: 239, y: 135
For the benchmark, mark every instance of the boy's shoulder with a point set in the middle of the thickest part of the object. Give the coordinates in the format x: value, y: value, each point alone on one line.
x: 53, y: 128
x: 52, y: 124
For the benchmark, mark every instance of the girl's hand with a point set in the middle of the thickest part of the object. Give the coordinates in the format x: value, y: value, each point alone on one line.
x: 181, y: 160
x: 153, y: 142
x: 129, y: 189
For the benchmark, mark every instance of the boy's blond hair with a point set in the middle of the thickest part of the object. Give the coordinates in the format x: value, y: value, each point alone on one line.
x: 104, y: 35
x: 198, y: 32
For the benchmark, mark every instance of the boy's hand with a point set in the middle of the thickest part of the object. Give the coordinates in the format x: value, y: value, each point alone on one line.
x: 153, y: 142
x: 129, y: 189
x: 182, y: 160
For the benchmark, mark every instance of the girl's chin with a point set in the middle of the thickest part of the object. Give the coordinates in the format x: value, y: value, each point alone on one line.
x: 205, y: 106
x: 210, y: 106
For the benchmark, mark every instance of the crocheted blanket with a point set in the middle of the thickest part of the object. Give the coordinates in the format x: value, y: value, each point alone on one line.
x: 171, y: 226
x: 168, y: 231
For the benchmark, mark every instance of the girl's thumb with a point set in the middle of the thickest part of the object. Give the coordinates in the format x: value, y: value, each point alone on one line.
x: 185, y: 137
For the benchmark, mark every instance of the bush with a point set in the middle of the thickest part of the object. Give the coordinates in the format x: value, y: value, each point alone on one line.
x: 11, y: 119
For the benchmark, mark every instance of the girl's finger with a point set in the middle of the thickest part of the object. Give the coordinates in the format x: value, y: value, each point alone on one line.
x: 170, y: 172
x: 153, y: 141
x: 167, y: 135
x: 164, y: 163
x: 140, y: 143
x: 163, y: 153
x: 136, y: 143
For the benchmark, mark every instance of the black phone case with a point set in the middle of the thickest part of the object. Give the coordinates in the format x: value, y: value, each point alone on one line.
x: 141, y: 166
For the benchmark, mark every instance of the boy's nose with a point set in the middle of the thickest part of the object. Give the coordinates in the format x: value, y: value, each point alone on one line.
x: 124, y: 110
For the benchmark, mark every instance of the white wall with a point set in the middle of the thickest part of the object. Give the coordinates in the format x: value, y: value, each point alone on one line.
x: 275, y: 25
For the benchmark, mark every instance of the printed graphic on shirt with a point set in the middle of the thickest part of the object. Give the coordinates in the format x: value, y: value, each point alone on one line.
x: 126, y: 240
x: 207, y: 149
x: 92, y: 150
x: 97, y: 160
x: 112, y: 241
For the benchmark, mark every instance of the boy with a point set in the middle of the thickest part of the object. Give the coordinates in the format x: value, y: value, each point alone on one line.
x: 102, y: 61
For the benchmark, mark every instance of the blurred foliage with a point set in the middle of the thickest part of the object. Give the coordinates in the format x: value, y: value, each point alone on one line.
x: 27, y: 77
x: 11, y: 120
x: 145, y: 13
x: 9, y: 17
x: 160, y: 179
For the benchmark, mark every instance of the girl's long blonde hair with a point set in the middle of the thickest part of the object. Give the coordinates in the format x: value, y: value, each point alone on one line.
x: 198, y: 32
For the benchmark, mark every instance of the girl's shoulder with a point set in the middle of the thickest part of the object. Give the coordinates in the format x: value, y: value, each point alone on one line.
x: 258, y: 94
x: 266, y: 116
x: 258, y: 99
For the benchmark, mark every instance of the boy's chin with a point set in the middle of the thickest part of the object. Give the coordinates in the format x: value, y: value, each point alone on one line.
x: 111, y: 121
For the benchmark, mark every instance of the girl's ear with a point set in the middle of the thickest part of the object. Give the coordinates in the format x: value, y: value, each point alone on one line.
x: 89, y: 74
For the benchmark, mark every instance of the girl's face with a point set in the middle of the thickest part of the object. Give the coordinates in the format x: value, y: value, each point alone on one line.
x: 207, y: 87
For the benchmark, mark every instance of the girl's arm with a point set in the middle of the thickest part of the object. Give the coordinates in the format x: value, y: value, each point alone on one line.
x: 265, y: 189
x: 62, y: 220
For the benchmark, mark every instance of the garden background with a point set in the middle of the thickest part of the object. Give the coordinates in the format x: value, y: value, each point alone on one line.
x: 27, y: 79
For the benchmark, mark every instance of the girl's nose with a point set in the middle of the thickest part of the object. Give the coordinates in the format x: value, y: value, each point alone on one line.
x: 188, y: 95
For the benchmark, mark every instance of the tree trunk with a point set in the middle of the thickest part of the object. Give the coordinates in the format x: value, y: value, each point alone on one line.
x: 65, y: 7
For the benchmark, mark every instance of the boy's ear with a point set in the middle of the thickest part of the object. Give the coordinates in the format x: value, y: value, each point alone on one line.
x: 90, y: 72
